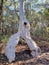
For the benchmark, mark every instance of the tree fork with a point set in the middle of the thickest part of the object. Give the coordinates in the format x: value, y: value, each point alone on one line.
x: 23, y: 32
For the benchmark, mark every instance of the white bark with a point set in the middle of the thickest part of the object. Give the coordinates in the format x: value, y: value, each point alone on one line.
x: 10, y: 48
x: 24, y: 32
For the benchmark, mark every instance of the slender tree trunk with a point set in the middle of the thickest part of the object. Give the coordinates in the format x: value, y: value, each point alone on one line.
x: 1, y: 7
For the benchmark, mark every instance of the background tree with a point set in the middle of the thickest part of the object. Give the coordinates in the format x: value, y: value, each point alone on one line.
x: 1, y: 9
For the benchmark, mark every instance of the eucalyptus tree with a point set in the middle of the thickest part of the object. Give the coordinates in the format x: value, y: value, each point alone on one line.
x: 23, y: 32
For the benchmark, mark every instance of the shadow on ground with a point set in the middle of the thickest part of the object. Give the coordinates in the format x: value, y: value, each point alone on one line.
x: 24, y: 57
x: 20, y: 56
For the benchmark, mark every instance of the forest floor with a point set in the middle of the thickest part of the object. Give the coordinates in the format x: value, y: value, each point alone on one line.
x: 24, y: 57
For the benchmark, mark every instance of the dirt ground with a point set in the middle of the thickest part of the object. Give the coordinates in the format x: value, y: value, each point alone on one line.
x: 24, y: 57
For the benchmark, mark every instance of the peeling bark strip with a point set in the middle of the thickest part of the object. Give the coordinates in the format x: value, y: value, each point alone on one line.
x: 23, y: 32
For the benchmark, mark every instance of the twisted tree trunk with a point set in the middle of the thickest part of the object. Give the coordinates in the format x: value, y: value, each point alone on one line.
x: 23, y: 32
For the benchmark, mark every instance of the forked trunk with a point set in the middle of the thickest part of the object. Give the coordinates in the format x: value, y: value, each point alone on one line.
x: 23, y: 32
